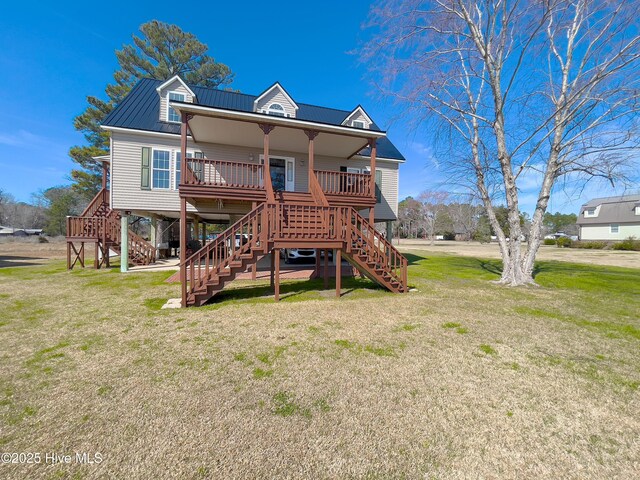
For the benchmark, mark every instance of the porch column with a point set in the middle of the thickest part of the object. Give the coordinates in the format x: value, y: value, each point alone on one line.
x: 338, y: 272
x: 183, y: 248
x: 183, y: 147
x: 153, y: 234
x: 254, y: 265
x: 267, y: 170
x: 374, y: 150
x: 196, y: 228
x: 203, y: 226
x: 311, y: 134
x: 316, y: 272
x: 124, y: 242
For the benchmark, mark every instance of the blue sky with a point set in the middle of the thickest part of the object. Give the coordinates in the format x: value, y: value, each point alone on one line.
x: 56, y: 53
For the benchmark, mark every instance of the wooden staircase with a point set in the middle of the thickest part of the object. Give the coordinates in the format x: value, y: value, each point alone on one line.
x: 288, y: 225
x: 99, y: 224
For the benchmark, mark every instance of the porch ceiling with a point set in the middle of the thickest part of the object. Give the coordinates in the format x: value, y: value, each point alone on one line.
x: 223, y: 128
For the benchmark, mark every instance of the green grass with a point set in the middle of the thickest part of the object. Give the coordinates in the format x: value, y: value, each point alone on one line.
x: 488, y: 349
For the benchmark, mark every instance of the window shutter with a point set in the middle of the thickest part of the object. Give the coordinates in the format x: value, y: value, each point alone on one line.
x: 343, y: 169
x: 145, y: 172
x: 378, y: 186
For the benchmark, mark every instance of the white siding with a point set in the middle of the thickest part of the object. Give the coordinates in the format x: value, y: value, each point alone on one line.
x: 603, y: 232
x: 276, y: 96
x: 175, y: 86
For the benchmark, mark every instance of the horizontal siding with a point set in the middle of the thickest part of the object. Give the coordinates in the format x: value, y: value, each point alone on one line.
x: 174, y: 86
x: 357, y: 116
x: 276, y: 96
x: 126, y: 172
x: 603, y: 232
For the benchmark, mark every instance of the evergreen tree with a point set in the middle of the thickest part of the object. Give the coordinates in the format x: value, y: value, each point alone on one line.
x: 162, y: 51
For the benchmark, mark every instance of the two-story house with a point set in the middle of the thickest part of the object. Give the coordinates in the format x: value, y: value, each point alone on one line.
x: 282, y: 174
x: 610, y: 218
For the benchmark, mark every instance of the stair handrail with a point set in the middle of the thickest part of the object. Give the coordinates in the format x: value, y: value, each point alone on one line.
x: 379, y: 248
x: 219, y: 252
x: 102, y: 197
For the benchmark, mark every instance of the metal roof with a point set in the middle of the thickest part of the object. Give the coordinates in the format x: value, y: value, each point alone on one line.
x: 619, y: 209
x: 140, y: 110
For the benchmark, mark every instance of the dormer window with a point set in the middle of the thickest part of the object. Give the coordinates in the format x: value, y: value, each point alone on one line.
x: 172, y: 115
x: 358, y: 124
x: 590, y: 212
x: 276, y: 110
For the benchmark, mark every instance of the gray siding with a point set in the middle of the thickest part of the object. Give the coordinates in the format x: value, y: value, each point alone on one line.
x: 174, y: 86
x: 276, y: 96
x: 126, y: 173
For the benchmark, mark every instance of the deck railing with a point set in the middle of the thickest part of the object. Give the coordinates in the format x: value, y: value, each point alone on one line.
x: 222, y: 173
x: 344, y: 183
x: 101, y: 199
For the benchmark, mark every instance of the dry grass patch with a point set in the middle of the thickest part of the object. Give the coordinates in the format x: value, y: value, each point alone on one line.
x: 461, y: 379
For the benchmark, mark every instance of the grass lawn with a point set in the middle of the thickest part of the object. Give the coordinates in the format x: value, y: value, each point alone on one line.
x: 461, y: 379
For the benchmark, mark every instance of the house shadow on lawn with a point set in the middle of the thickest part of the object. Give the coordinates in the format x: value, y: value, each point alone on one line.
x: 295, y: 290
x: 7, y: 261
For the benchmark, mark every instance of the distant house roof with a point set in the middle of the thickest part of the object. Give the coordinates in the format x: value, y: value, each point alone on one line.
x: 620, y: 209
x: 140, y: 111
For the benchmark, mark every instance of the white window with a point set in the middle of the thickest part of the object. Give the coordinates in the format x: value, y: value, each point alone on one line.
x: 161, y: 168
x: 276, y: 109
x: 590, y: 212
x: 358, y: 124
x: 177, y: 169
x: 614, y: 228
x: 172, y: 115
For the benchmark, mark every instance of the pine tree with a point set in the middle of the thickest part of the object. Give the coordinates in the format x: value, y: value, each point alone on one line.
x: 162, y: 51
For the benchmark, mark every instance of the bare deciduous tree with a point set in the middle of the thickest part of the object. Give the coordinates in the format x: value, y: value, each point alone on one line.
x: 514, y: 87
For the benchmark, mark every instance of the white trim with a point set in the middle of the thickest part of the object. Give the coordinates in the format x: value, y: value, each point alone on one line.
x: 145, y: 132
x: 360, y: 122
x: 281, y: 121
x: 268, y: 110
x: 275, y: 85
x: 288, y: 160
x: 169, y: 107
x: 153, y: 150
x: 362, y: 112
x: 381, y: 159
x: 174, y: 162
x: 173, y: 79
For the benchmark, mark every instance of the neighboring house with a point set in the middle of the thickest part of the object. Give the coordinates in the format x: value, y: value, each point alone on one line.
x: 326, y: 168
x: 610, y: 218
x: 19, y: 232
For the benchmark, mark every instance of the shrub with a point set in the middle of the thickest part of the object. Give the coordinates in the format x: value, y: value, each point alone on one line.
x: 592, y: 245
x: 564, y: 242
x: 449, y: 236
x: 629, y: 244
x: 549, y: 241
x: 42, y: 239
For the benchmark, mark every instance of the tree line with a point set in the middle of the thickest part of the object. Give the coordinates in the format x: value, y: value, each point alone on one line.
x: 456, y: 217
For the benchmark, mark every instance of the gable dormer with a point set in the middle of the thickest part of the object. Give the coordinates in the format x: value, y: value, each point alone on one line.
x: 275, y: 101
x: 173, y: 89
x: 591, y: 211
x: 358, y: 118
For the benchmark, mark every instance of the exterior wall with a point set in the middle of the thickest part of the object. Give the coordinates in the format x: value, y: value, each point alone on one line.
x: 357, y: 116
x: 603, y: 232
x: 276, y: 96
x: 174, y: 86
x: 126, y: 152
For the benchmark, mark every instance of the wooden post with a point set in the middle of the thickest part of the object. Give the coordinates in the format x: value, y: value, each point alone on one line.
x: 183, y: 249
x: 104, y: 175
x: 326, y: 268
x: 311, y: 134
x: 96, y: 263
x: 82, y: 254
x: 338, y: 272
x: 273, y: 252
x: 277, y: 285
x: 316, y: 272
x: 183, y: 146
x: 374, y: 151
x: 267, y: 168
x: 196, y: 228
x: 124, y: 243
x: 254, y: 265
x: 203, y: 227
x: 68, y: 254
